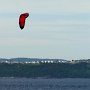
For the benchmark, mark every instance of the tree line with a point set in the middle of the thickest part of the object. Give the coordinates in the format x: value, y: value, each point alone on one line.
x: 48, y: 70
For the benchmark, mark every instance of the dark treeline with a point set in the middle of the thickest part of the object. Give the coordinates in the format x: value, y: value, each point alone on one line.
x: 54, y: 70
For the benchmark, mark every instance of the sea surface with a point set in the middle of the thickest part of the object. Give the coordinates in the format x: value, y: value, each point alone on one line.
x: 44, y: 84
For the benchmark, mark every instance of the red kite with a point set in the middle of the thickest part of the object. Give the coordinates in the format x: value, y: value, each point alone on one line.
x: 22, y: 19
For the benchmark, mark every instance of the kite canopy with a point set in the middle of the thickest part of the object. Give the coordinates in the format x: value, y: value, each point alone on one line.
x: 22, y: 19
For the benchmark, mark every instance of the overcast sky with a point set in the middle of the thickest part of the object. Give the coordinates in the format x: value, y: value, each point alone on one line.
x: 54, y: 29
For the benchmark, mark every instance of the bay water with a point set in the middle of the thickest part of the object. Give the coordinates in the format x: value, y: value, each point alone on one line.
x: 44, y: 84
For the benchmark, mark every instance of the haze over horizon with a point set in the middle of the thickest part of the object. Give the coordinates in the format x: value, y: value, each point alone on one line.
x: 54, y: 29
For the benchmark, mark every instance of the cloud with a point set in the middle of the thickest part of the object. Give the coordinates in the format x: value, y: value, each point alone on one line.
x: 59, y: 6
x: 47, y: 6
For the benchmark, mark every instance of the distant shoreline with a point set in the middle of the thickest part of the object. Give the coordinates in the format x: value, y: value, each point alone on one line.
x: 38, y: 78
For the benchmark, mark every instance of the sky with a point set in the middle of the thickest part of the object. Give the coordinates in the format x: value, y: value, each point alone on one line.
x: 54, y: 29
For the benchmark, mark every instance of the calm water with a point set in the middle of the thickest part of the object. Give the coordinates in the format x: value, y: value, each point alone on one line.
x: 44, y: 84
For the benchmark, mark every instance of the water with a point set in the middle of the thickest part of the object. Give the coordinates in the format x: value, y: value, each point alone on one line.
x: 44, y: 84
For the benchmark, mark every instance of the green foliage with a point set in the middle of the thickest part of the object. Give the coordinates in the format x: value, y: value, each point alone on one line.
x: 55, y: 70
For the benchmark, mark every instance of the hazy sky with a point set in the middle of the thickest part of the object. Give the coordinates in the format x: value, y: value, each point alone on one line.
x: 54, y: 29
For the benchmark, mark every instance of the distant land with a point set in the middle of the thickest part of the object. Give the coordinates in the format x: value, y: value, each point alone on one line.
x: 40, y: 60
x: 44, y: 68
x: 31, y: 60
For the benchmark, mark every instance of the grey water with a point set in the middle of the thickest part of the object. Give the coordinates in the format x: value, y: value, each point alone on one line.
x: 44, y: 84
